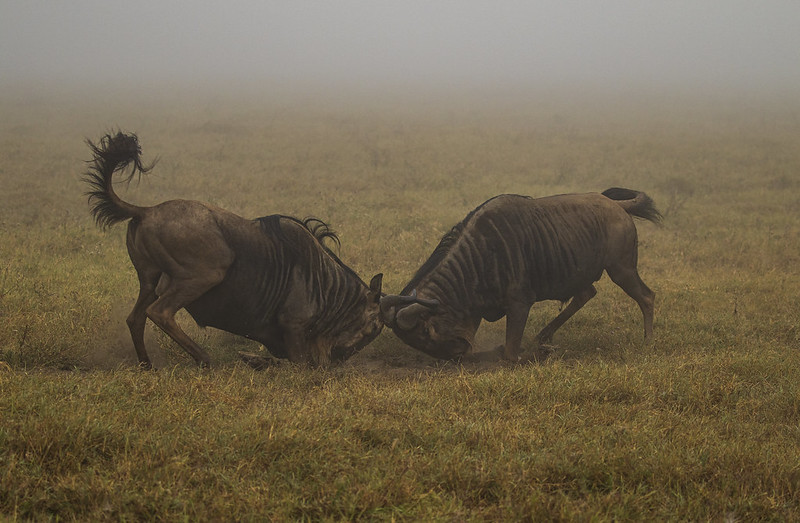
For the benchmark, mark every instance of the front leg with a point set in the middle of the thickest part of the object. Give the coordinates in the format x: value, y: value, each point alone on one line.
x: 295, y: 319
x: 516, y: 318
x: 321, y: 353
x: 301, y: 350
x: 297, y: 349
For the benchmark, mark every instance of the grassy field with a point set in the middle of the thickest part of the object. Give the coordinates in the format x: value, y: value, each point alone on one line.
x: 703, y: 425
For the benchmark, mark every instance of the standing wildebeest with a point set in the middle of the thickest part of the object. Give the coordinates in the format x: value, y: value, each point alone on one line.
x: 269, y: 279
x: 513, y: 251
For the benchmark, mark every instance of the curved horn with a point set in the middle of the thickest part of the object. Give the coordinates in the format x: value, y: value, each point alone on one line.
x: 408, y: 317
x: 393, y: 300
x: 390, y: 303
x: 433, y: 305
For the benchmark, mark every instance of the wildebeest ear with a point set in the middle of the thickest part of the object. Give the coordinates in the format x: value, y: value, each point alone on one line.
x: 375, y: 285
x: 408, y: 317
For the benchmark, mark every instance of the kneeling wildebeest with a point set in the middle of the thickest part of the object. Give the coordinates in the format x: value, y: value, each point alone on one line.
x: 271, y: 279
x: 513, y: 251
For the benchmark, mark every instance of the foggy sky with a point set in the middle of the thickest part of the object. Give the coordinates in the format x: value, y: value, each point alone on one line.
x: 651, y: 44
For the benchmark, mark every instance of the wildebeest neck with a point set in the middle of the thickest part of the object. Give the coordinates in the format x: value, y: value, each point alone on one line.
x: 338, y: 291
x: 448, y: 244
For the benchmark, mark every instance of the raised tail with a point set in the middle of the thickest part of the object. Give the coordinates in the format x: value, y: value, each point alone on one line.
x: 113, y: 153
x: 635, y: 203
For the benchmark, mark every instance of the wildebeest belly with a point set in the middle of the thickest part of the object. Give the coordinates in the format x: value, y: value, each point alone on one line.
x: 494, y: 306
x: 243, y: 305
x: 544, y: 259
x: 230, y: 316
x: 559, y: 282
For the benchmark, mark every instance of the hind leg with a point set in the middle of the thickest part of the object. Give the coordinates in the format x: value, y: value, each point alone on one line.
x: 178, y: 294
x: 630, y: 282
x: 575, y: 304
x: 138, y: 317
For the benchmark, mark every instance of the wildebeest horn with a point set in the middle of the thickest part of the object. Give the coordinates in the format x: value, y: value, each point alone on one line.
x: 408, y: 317
x: 390, y: 303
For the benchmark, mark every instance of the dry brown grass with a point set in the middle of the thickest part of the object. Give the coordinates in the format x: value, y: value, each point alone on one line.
x: 700, y: 426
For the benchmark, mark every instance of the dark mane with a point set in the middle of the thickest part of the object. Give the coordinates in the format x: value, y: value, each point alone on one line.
x: 445, y: 244
x: 438, y: 254
x: 320, y: 230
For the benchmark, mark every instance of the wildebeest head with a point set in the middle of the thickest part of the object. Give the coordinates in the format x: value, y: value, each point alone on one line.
x: 427, y: 326
x: 361, y: 330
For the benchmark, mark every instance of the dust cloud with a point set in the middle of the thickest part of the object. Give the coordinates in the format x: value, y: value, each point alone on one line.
x: 112, y: 346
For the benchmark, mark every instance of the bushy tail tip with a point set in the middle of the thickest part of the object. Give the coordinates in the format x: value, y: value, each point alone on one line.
x: 113, y: 153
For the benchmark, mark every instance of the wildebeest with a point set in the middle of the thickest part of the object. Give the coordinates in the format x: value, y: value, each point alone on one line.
x: 270, y: 279
x: 513, y: 251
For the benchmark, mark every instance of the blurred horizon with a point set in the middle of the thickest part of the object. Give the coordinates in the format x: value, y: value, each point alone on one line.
x: 428, y: 50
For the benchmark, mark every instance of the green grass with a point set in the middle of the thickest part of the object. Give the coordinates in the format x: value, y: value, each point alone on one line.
x: 702, y: 425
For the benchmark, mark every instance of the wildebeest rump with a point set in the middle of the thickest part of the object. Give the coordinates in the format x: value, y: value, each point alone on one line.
x: 513, y: 251
x: 271, y: 279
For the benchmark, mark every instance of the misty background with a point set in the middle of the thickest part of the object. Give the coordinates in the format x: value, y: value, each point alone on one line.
x: 379, y: 45
x: 404, y: 113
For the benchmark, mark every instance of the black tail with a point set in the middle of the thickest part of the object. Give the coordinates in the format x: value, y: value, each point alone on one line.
x: 112, y: 154
x: 635, y: 203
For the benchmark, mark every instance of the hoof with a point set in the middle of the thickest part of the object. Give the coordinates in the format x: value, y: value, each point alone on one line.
x: 255, y: 361
x: 500, y: 350
x: 542, y: 352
